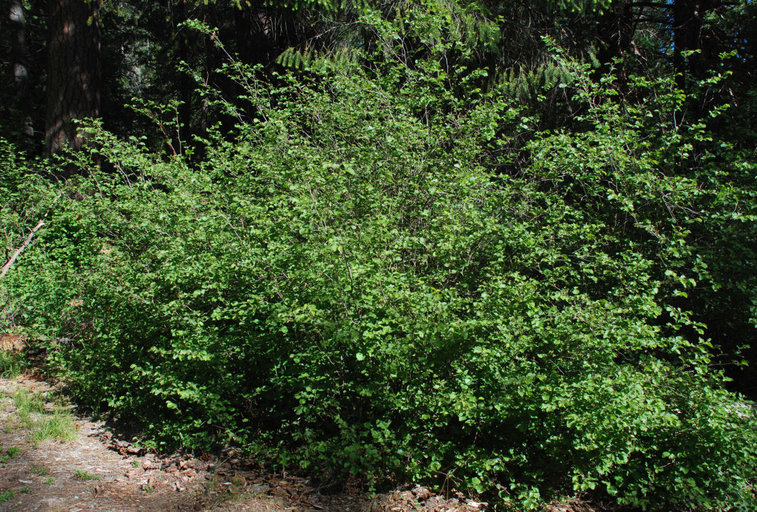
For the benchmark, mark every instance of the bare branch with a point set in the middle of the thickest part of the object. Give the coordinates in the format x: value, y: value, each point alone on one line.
x: 16, y: 254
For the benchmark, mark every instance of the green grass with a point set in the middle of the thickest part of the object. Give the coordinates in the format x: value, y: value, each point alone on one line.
x: 11, y: 364
x: 27, y: 403
x: 83, y: 475
x: 50, y: 480
x: 42, y: 423
x: 6, y: 496
x: 59, y: 426
x: 25, y: 489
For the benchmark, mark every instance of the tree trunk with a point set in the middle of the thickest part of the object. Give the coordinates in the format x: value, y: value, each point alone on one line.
x: 615, y: 31
x: 73, y: 82
x: 689, y: 34
x: 20, y: 62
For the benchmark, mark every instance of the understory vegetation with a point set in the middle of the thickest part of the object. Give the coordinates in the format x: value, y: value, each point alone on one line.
x: 396, y: 271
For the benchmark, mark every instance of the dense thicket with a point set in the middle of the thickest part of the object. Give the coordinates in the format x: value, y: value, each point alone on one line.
x: 505, y: 248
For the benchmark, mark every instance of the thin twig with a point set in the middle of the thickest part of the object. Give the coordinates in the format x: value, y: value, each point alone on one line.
x: 16, y: 254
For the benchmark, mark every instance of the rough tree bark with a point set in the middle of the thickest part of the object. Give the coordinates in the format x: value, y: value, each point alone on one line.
x: 73, y: 83
x: 20, y: 61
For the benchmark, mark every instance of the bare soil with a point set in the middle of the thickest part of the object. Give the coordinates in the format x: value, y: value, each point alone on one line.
x: 99, y: 471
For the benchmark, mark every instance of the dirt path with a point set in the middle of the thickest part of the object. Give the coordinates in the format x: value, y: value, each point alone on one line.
x: 53, y: 460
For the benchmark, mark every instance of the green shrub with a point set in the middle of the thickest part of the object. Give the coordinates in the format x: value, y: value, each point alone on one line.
x: 353, y: 284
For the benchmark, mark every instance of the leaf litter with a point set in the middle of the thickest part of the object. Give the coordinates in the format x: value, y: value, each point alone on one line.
x: 96, y: 469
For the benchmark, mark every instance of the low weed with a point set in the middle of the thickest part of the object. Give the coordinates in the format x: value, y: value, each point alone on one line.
x: 83, y: 475
x: 6, y: 496
x: 9, y: 454
x: 39, y: 470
